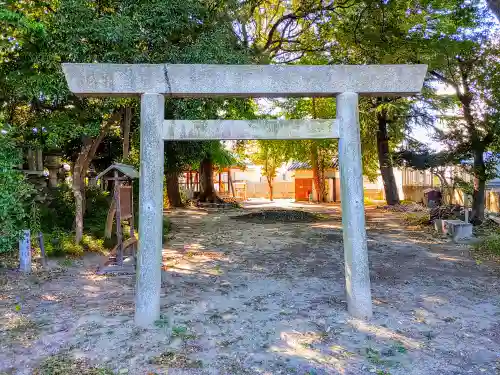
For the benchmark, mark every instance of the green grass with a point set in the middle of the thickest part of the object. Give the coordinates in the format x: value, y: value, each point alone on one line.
x: 176, y: 360
x: 488, y: 247
x: 416, y: 218
x: 162, y: 322
x: 63, y: 365
x: 182, y: 332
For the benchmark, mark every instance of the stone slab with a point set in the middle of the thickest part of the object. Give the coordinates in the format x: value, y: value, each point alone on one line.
x: 25, y: 252
x: 202, y: 80
x: 249, y: 129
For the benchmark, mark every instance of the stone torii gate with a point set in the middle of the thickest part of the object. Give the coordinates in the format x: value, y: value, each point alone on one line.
x: 153, y: 82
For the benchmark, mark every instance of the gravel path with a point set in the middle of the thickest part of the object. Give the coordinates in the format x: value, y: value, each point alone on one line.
x: 249, y: 297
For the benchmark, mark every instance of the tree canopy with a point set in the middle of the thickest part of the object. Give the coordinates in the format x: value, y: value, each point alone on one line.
x: 458, y: 41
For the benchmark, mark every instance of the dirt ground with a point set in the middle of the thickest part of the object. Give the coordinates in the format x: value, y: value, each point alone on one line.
x: 246, y: 297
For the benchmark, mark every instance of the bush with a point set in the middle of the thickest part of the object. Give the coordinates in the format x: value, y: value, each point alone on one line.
x: 489, y: 245
x: 16, y: 196
x: 59, y: 213
x: 60, y: 243
x: 416, y: 218
x: 93, y: 244
x: 97, y: 206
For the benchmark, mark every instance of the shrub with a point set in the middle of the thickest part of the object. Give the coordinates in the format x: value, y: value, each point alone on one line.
x: 490, y: 245
x: 416, y: 218
x: 92, y: 244
x: 97, y: 206
x: 16, y: 196
x: 60, y: 243
x: 59, y: 213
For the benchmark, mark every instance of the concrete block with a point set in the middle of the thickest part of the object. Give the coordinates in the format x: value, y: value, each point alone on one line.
x: 201, y: 80
x: 457, y: 229
x: 462, y: 231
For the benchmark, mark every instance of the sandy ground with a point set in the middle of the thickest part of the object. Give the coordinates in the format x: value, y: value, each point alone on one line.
x: 265, y: 298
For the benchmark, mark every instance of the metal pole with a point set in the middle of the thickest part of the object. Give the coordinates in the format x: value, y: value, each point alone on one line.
x: 119, y: 239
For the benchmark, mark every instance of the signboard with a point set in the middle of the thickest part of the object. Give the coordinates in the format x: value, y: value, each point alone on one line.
x: 125, y: 202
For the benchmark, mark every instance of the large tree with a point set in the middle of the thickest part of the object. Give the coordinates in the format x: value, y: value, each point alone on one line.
x: 469, y: 66
x: 42, y: 35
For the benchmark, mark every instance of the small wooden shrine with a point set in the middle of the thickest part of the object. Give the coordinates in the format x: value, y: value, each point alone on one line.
x: 122, y: 176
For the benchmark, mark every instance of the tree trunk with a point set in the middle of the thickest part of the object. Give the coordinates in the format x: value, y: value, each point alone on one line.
x: 77, y: 185
x: 174, y: 196
x: 126, y: 122
x: 270, y: 183
x: 477, y: 215
x: 318, y: 186
x: 207, y: 190
x: 385, y: 161
x: 230, y: 182
x: 80, y: 167
x: 78, y: 194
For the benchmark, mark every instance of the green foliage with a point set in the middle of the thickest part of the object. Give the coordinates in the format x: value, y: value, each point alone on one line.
x: 34, y: 95
x: 57, y: 219
x: 92, y: 244
x: 416, y: 218
x: 64, y: 365
x: 60, y: 243
x: 97, y: 206
x: 59, y: 213
x: 270, y: 155
x: 489, y: 245
x: 467, y: 187
x: 16, y: 196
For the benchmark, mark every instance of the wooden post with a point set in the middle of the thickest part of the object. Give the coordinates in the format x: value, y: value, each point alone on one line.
x: 31, y: 160
x: 220, y: 183
x: 119, y: 247
x: 39, y: 159
x: 132, y: 231
x: 42, y: 248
